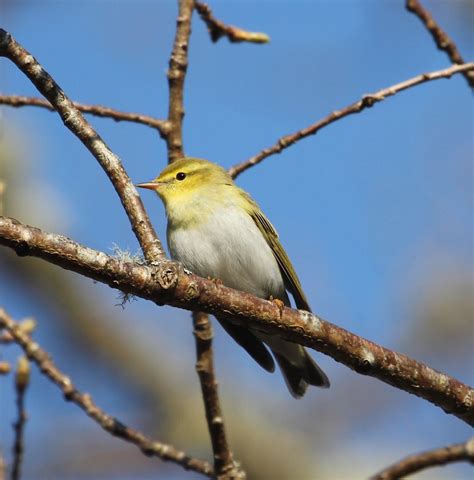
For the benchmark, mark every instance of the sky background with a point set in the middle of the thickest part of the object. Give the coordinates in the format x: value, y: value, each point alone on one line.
x: 375, y: 212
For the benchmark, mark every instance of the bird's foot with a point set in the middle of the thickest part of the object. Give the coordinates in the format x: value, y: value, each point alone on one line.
x: 217, y: 281
x: 279, y: 304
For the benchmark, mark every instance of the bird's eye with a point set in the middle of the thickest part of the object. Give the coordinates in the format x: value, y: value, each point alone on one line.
x: 180, y: 176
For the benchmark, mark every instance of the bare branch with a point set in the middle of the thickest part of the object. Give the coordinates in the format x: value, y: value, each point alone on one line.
x: 224, y: 464
x: 178, y: 65
x: 365, y: 102
x: 97, y: 110
x: 22, y: 380
x: 167, y: 283
x: 218, y: 29
x: 461, y: 452
x: 78, y: 125
x: 441, y: 38
x: 84, y: 401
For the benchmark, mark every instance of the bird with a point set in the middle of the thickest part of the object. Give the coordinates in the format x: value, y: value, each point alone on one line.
x: 216, y: 230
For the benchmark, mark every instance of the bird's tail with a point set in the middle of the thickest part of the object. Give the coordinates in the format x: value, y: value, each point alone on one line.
x: 300, y: 370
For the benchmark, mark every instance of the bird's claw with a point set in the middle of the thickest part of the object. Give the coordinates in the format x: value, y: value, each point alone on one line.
x: 280, y: 304
x: 217, y: 281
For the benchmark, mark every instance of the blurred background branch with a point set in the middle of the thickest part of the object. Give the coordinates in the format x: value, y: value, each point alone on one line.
x: 84, y: 401
x: 22, y: 380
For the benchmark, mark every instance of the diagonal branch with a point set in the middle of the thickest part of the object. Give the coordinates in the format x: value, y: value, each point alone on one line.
x: 224, y: 464
x: 97, y: 110
x: 461, y: 452
x: 365, y: 102
x: 441, y: 38
x: 167, y: 283
x: 84, y: 401
x: 218, y: 29
x: 78, y: 125
x: 178, y: 65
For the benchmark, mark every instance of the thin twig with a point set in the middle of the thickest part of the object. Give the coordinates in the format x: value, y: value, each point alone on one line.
x: 167, y: 283
x: 218, y: 29
x: 461, y: 452
x: 224, y: 464
x: 365, y: 102
x: 84, y: 401
x: 5, y: 368
x: 441, y: 38
x: 22, y: 380
x: 178, y: 65
x: 78, y: 125
x: 97, y: 110
x: 28, y: 325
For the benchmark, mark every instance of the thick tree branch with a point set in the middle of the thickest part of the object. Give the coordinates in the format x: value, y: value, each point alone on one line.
x: 78, y: 125
x: 218, y: 29
x: 84, y: 401
x: 97, y: 110
x: 366, y: 101
x: 167, y: 283
x: 178, y: 65
x: 441, y: 38
x: 462, y: 452
x: 224, y: 464
x: 22, y: 380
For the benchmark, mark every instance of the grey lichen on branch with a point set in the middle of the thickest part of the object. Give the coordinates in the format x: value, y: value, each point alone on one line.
x: 167, y: 283
x: 78, y: 125
x: 366, y: 101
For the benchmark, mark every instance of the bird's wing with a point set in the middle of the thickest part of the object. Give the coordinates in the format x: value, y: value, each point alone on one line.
x: 290, y: 278
x: 253, y: 345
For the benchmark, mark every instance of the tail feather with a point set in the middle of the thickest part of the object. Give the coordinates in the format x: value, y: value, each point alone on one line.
x: 298, y: 377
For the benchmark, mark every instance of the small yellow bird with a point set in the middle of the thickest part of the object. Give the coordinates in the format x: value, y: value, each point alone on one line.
x: 215, y: 229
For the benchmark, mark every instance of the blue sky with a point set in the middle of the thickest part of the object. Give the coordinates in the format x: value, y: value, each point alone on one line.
x: 375, y: 210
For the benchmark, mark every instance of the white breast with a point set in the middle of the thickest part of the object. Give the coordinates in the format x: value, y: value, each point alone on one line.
x: 230, y: 247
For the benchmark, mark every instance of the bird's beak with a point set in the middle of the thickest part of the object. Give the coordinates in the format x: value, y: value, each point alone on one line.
x: 149, y: 185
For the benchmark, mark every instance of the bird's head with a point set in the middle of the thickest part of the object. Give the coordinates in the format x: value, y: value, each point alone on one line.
x: 184, y: 178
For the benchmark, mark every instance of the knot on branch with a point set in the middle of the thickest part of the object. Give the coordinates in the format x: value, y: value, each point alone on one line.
x: 167, y: 275
x: 368, y: 101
